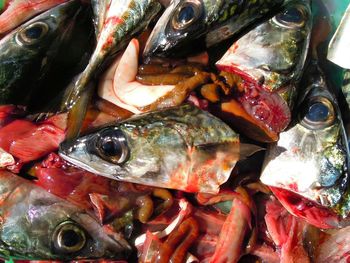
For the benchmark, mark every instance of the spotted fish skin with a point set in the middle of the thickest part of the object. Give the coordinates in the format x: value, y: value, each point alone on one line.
x: 183, y: 148
x: 184, y: 22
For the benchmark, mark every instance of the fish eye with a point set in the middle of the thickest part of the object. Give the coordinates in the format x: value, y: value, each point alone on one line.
x: 319, y: 113
x: 187, y: 13
x: 32, y: 33
x: 112, y: 146
x: 293, y: 17
x: 69, y: 238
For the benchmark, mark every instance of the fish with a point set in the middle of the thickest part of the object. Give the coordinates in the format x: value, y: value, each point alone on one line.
x: 185, y: 23
x: 123, y: 20
x: 100, y: 9
x: 268, y: 63
x: 27, y: 52
x: 16, y: 12
x: 38, y: 225
x: 181, y: 148
x: 307, y: 169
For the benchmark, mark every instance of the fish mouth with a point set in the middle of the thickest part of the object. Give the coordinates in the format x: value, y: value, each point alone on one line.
x: 310, y: 211
x: 69, y: 152
x: 107, y: 244
x: 266, y: 113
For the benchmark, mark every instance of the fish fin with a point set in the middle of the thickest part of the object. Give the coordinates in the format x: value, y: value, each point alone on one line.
x: 247, y: 150
x: 321, y: 30
x: 78, y: 111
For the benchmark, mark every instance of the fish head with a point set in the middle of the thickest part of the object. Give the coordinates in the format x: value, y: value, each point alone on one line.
x: 311, y: 158
x: 39, y: 32
x: 160, y: 149
x: 273, y: 53
x: 38, y: 225
x: 268, y: 62
x: 181, y: 22
x: 25, y: 52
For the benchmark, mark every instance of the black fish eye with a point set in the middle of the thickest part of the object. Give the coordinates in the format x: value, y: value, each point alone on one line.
x: 319, y: 113
x: 32, y: 33
x: 69, y: 238
x: 112, y: 146
x: 292, y: 17
x: 185, y: 15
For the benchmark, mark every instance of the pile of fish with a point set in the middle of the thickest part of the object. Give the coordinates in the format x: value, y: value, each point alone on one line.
x: 173, y: 131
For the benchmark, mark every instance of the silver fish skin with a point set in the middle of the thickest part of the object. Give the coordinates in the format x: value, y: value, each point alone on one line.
x: 184, y: 22
x: 182, y: 148
x: 124, y: 20
x: 38, y: 225
x: 311, y: 157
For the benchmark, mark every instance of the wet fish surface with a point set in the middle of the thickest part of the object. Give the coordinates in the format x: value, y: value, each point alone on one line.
x: 182, y: 148
x: 38, y: 225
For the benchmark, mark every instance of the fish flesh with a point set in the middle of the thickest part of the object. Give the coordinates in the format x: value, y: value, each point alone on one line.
x: 182, y: 148
x: 38, y: 225
x: 18, y: 11
x: 27, y: 52
x: 28, y: 141
x: 185, y: 22
x: 307, y: 169
x: 269, y: 61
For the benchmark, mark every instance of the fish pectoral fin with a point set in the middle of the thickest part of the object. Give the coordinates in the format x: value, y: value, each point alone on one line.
x: 247, y: 150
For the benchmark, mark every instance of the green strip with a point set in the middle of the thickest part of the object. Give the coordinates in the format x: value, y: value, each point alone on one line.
x: 2, y: 5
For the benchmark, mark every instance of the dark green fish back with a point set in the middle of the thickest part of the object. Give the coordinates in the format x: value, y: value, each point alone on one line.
x: 202, y: 127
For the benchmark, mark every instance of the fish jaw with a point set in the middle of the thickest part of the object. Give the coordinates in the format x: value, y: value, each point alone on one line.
x: 180, y: 148
x: 39, y: 216
x: 305, y: 163
x: 78, y: 154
